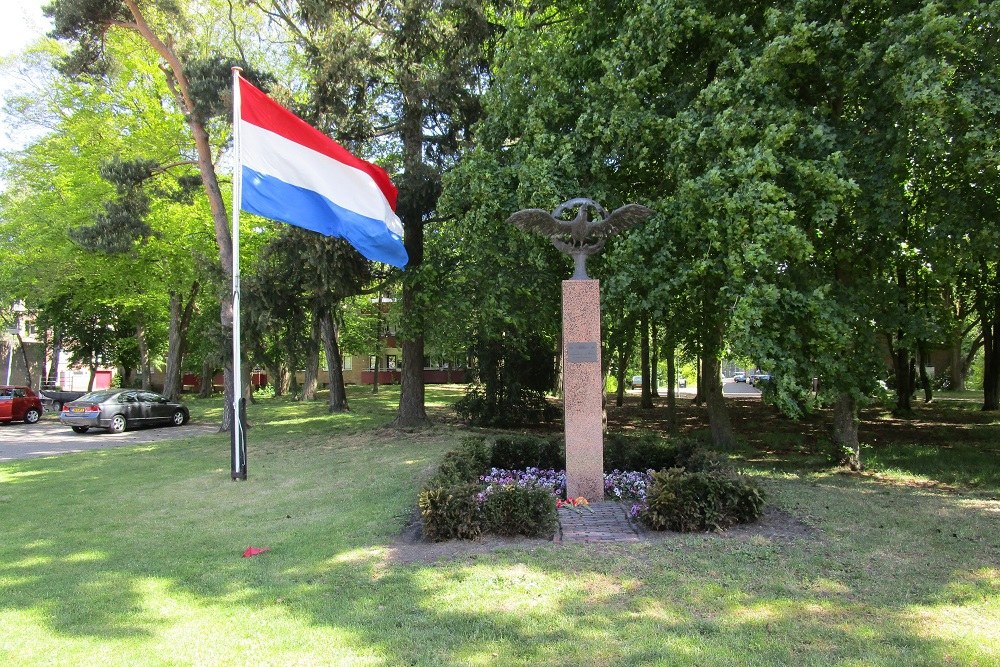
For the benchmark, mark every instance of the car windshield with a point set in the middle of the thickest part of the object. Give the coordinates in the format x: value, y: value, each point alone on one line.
x: 97, y: 396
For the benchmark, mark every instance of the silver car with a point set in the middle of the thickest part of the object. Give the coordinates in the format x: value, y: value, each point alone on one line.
x: 119, y: 409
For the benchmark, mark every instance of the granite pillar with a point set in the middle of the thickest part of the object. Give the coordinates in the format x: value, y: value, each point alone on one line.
x: 583, y: 389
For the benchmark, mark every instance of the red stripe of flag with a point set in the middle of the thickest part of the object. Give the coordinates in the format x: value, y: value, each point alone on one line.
x: 260, y: 110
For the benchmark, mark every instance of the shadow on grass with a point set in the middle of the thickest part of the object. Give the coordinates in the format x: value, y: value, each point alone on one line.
x: 133, y: 556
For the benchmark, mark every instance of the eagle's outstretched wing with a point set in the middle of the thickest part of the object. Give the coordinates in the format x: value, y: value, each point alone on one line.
x: 622, y: 218
x: 537, y: 220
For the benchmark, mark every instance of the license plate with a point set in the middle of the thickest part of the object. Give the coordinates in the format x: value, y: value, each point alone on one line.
x: 79, y: 409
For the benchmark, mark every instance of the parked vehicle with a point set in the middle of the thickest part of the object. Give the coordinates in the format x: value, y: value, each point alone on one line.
x: 740, y: 377
x: 119, y: 409
x: 682, y: 382
x: 58, y: 398
x: 19, y: 404
x: 637, y: 382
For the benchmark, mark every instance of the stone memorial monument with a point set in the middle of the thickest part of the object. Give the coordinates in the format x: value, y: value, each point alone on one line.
x: 583, y: 382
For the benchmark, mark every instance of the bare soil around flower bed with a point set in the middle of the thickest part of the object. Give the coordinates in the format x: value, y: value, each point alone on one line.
x: 410, y: 547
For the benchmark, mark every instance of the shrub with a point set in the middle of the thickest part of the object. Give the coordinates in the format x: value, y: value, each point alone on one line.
x: 520, y: 511
x: 463, y: 465
x: 525, y: 406
x: 697, y: 501
x: 704, y: 460
x: 450, y: 512
x: 638, y: 451
x: 518, y: 452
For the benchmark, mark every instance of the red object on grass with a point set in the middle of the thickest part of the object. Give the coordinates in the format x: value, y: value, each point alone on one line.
x: 253, y: 551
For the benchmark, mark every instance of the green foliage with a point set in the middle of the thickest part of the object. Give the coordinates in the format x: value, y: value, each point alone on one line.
x: 518, y: 511
x: 643, y: 450
x: 450, y: 503
x: 648, y: 450
x: 699, y: 501
x: 450, y: 512
x: 463, y: 465
x: 210, y: 81
x: 517, y: 452
x: 518, y: 407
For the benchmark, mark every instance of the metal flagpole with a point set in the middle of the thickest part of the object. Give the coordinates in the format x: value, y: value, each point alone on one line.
x: 239, y: 456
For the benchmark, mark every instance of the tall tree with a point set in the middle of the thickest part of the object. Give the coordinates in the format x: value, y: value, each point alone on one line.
x: 399, y: 78
x: 195, y: 79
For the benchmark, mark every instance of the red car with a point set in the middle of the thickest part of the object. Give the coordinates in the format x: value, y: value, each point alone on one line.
x: 19, y: 404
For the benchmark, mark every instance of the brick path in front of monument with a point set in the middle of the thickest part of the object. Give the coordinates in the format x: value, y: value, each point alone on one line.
x: 598, y: 522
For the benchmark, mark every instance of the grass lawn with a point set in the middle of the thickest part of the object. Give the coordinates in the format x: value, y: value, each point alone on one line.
x: 132, y: 556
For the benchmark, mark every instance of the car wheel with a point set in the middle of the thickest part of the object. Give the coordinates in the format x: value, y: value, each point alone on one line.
x: 179, y: 418
x: 118, y: 424
x: 32, y: 416
x: 80, y: 429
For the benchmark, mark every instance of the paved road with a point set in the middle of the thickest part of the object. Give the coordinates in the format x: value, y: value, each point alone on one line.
x: 48, y: 438
x: 729, y: 388
x: 740, y: 389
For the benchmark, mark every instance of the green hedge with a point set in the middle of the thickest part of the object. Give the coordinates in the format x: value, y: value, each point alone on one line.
x: 698, y: 501
x: 450, y: 512
x: 517, y: 511
x: 519, y: 452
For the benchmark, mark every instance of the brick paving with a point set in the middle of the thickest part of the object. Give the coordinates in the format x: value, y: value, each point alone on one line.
x: 599, y: 522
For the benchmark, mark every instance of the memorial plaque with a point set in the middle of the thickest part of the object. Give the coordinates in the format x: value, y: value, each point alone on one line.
x: 581, y: 353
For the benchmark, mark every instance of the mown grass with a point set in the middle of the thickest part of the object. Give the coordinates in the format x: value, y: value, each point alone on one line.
x: 131, y: 556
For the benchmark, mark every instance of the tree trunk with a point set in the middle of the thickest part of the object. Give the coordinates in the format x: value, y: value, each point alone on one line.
x: 670, y: 349
x: 292, y: 363
x: 334, y: 366
x: 140, y: 337
x: 925, y: 379
x: 311, y: 380
x: 40, y: 362
x: 991, y: 360
x: 379, y: 346
x: 172, y: 372
x: 207, y: 378
x: 376, y: 367
x: 904, y: 378
x: 24, y: 358
x: 699, y: 381
x: 623, y: 353
x: 180, y: 321
x: 93, y: 374
x: 718, y: 414
x: 647, y: 396
x: 654, y: 361
x: 719, y: 422
x: 53, y: 377
x: 412, y: 412
x: 845, y: 429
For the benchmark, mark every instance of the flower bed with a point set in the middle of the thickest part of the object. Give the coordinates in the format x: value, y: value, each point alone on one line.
x: 462, y: 502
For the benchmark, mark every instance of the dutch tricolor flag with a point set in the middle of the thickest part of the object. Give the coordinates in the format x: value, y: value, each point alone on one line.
x: 293, y: 173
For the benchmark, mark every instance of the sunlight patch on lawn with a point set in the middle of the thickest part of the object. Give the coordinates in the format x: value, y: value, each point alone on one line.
x: 515, y: 589
x: 655, y: 610
x: 85, y: 557
x: 192, y: 632
x: 755, y: 614
x: 991, y: 506
x: 9, y: 477
x: 824, y: 586
x: 31, y: 561
x: 971, y: 628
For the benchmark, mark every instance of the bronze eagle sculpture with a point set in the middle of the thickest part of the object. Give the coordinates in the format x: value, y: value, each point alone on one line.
x: 581, y: 236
